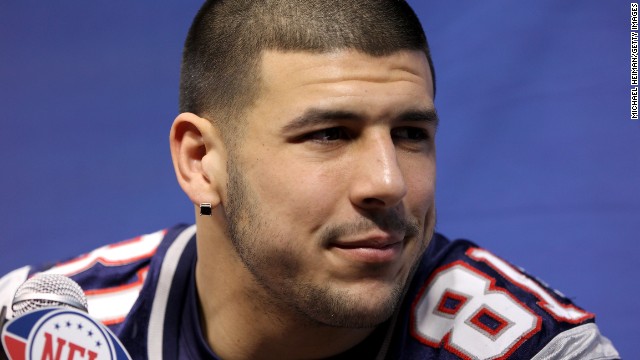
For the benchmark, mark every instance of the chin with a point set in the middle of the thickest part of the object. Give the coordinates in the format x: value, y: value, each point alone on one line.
x: 366, y: 308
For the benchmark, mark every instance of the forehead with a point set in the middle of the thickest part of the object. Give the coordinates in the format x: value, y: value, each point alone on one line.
x: 377, y: 87
x: 286, y: 70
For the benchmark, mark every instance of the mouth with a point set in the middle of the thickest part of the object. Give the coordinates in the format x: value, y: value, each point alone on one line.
x: 373, y: 250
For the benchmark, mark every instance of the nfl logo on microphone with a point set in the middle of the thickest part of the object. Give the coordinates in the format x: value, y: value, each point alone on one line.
x: 60, y: 334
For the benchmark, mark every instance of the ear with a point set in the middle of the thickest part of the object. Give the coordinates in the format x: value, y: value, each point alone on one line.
x: 199, y: 158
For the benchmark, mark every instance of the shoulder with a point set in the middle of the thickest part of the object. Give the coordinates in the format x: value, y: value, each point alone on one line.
x: 465, y: 300
x: 111, y: 276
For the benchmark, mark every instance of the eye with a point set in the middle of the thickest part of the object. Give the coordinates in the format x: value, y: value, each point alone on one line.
x: 328, y: 135
x: 413, y: 134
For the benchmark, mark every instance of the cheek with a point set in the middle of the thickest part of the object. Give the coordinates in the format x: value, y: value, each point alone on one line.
x: 299, y: 196
x: 421, y: 188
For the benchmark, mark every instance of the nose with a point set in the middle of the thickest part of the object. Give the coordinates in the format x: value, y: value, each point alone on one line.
x: 378, y: 180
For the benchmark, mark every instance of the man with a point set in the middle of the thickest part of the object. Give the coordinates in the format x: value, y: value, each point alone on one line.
x: 306, y: 143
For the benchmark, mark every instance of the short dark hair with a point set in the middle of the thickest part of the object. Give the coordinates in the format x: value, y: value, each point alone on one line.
x: 220, y: 65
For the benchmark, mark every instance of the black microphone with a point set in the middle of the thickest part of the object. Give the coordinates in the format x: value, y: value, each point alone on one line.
x: 51, y: 322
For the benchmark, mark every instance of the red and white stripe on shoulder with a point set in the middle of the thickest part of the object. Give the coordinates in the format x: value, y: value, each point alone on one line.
x: 122, y: 253
x: 111, y: 305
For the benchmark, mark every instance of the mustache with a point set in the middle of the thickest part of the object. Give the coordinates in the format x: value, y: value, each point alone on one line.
x: 389, y: 222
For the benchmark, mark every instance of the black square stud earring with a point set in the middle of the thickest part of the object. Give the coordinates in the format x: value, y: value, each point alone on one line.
x: 205, y: 209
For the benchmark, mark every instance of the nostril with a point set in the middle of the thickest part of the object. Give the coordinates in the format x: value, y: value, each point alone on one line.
x: 373, y: 202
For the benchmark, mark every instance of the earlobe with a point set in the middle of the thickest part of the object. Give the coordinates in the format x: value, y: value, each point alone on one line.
x: 198, y: 157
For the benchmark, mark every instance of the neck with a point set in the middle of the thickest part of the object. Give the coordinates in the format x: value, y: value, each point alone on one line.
x: 239, y: 319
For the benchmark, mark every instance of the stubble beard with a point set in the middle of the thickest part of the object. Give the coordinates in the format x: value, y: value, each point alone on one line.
x: 276, y: 270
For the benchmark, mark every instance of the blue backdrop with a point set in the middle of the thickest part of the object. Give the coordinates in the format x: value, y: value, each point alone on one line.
x: 538, y: 157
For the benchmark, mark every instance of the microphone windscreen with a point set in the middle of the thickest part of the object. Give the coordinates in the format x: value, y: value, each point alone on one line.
x: 48, y: 290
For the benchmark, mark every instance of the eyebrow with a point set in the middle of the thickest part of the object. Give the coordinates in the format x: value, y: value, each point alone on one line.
x: 315, y: 116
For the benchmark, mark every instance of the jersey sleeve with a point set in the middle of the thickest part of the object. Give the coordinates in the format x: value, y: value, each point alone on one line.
x: 581, y: 342
x: 110, y: 276
x: 466, y: 302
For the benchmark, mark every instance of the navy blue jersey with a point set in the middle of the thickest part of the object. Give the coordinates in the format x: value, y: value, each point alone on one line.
x: 463, y: 302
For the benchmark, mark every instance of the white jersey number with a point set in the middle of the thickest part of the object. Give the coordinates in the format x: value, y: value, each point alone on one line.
x: 561, y: 312
x: 464, y: 310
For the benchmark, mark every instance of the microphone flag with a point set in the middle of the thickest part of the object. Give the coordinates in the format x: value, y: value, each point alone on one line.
x: 60, y: 334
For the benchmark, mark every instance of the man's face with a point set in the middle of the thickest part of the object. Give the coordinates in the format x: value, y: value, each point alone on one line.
x: 331, y: 187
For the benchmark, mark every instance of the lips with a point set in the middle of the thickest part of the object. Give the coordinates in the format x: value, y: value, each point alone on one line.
x: 373, y: 249
x: 370, y: 243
